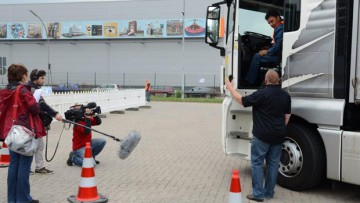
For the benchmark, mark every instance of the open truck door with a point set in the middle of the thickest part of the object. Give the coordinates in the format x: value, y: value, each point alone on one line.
x: 235, y: 128
x: 355, y: 57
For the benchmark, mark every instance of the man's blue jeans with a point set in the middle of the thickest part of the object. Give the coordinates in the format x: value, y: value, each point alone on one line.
x: 261, y: 151
x: 147, y: 94
x: 253, y: 72
x: 96, y: 144
x: 18, y: 178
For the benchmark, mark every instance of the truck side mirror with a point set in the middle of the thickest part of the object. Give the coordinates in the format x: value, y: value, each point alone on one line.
x: 212, y: 25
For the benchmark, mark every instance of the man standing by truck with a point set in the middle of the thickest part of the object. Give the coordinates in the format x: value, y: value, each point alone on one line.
x: 271, y: 113
x: 37, y: 79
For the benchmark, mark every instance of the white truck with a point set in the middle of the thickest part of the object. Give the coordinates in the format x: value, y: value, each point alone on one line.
x: 319, y: 67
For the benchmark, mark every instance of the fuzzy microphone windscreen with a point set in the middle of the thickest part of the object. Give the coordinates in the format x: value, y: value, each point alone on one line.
x: 128, y: 144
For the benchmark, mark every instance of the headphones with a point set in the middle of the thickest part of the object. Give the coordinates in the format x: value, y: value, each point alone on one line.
x: 35, y: 75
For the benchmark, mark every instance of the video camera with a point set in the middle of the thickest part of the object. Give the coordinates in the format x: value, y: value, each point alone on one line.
x: 77, y: 112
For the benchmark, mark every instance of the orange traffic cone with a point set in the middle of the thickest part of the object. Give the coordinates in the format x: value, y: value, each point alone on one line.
x: 87, y: 189
x: 235, y: 188
x: 5, y: 156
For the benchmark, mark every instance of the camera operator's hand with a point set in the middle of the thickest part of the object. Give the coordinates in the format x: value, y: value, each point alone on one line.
x: 88, y: 113
x: 58, y: 117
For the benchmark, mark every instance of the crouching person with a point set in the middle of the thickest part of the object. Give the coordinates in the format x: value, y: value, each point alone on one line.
x: 81, y: 136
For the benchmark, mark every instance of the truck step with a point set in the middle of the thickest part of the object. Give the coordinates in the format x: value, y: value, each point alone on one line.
x: 239, y: 135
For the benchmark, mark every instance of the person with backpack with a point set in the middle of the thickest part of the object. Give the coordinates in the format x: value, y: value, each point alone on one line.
x: 28, y: 109
x: 37, y: 79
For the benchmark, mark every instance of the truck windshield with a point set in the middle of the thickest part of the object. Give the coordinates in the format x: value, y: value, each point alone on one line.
x: 257, y: 24
x: 256, y: 10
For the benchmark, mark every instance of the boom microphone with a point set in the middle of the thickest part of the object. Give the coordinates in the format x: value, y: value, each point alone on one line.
x: 127, y: 144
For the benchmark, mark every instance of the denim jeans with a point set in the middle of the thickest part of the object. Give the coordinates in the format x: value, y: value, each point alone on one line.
x: 147, y: 94
x: 253, y: 72
x: 18, y: 178
x: 96, y: 144
x: 261, y: 151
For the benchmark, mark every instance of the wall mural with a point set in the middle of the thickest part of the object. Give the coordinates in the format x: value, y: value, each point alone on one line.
x: 195, y: 27
x: 17, y: 30
x: 53, y: 30
x: 3, y: 30
x: 171, y: 28
x: 155, y: 28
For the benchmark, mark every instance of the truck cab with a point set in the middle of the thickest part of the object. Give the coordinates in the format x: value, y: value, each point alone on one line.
x: 318, y: 68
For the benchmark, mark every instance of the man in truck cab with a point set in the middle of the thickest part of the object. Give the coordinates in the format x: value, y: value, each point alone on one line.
x: 272, y: 55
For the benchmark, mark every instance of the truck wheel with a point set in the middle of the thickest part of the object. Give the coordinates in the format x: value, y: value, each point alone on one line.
x: 303, y: 161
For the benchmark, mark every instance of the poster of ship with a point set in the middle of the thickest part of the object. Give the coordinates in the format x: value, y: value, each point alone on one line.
x: 195, y: 27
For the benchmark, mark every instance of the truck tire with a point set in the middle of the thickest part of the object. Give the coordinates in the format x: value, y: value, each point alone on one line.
x: 303, y: 161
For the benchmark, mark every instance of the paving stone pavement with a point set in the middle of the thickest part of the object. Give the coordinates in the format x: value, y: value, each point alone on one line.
x: 179, y: 159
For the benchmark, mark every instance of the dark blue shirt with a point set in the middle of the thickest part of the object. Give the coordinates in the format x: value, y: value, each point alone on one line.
x: 269, y: 108
x: 278, y: 38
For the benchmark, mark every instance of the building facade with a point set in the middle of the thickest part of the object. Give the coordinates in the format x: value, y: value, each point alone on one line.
x: 127, y: 61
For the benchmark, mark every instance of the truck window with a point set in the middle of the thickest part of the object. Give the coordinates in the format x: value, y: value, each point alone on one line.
x: 261, y: 26
x: 231, y: 21
x: 292, y: 15
x: 256, y: 35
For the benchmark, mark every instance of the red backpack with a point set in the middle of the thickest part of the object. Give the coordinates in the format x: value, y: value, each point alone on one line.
x: 6, y: 107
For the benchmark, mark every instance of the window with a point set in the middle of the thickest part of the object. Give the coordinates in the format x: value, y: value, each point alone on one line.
x: 292, y: 15
x: 257, y: 24
x: 231, y: 18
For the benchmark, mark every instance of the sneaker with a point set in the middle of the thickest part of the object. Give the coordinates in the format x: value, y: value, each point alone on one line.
x: 69, y: 160
x: 31, y: 172
x: 251, y: 197
x: 43, y: 170
x: 35, y: 201
x: 97, y: 162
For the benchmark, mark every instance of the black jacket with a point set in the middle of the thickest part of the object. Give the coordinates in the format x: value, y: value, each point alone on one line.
x: 269, y: 108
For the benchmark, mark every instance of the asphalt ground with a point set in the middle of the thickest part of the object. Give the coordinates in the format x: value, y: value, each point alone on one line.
x: 179, y: 159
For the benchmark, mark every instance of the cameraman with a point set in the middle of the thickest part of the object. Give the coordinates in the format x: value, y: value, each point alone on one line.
x: 37, y: 79
x: 81, y: 136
